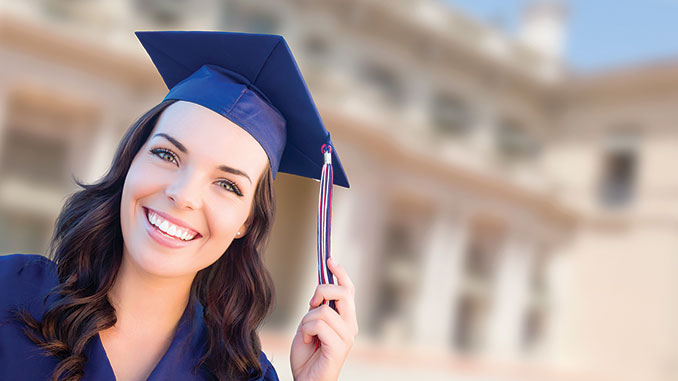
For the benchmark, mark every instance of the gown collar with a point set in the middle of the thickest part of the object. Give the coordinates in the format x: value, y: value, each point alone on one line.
x: 184, y: 351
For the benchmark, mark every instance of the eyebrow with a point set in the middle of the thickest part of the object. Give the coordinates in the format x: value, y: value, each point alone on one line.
x: 176, y: 143
x: 223, y: 168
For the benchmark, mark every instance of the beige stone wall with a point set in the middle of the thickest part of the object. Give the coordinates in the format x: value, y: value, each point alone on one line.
x: 621, y: 307
x: 476, y: 255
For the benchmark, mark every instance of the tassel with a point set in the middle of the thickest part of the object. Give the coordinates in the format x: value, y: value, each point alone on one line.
x: 324, y: 220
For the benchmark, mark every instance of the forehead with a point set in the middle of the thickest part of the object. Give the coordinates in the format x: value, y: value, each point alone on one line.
x: 211, y: 137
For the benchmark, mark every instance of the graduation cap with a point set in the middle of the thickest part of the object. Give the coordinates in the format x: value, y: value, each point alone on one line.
x: 254, y: 81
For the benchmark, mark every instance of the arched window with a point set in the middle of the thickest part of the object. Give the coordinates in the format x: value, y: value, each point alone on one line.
x: 398, y: 275
x: 450, y: 115
x: 385, y: 83
x: 619, y: 167
x: 37, y: 158
x: 514, y: 141
x: 164, y: 12
x: 535, y: 314
x: 250, y: 18
x: 475, y: 299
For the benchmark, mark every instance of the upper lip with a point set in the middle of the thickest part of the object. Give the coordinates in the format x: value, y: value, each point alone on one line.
x: 175, y: 221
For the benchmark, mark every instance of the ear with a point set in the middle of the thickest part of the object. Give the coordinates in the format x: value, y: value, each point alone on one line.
x: 241, y: 231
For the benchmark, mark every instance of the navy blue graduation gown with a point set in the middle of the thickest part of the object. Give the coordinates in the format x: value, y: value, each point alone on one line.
x: 26, y: 279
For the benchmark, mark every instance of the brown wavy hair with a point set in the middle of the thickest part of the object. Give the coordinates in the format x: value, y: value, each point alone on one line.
x: 236, y: 291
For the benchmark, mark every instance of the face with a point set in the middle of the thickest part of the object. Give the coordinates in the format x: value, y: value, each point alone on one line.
x: 188, y: 191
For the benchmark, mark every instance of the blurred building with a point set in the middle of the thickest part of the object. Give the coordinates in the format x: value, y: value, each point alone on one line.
x: 507, y: 220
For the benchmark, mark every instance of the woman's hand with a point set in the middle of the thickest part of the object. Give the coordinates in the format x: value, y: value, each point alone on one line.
x: 325, y: 336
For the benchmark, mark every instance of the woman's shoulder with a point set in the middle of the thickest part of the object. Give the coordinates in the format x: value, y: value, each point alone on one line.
x: 25, y: 279
x: 21, y: 260
x: 26, y: 268
x: 267, y: 370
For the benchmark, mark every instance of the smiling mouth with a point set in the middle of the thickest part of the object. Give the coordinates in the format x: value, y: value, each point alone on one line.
x: 170, y: 229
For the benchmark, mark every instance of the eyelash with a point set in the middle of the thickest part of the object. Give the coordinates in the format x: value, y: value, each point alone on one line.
x: 163, y: 154
x: 231, y: 184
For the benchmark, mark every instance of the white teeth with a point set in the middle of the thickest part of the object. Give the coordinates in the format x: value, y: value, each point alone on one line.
x: 164, y: 226
x: 169, y: 228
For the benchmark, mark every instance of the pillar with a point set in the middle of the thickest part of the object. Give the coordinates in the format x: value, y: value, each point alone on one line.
x: 443, y: 269
x: 510, y: 297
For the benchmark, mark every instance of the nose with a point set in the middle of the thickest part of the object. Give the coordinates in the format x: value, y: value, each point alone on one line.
x: 184, y: 192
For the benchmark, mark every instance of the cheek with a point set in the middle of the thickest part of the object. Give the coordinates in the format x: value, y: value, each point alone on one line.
x: 139, y: 183
x: 142, y: 179
x: 225, y: 221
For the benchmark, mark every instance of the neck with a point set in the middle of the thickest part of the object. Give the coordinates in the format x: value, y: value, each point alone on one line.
x: 146, y: 302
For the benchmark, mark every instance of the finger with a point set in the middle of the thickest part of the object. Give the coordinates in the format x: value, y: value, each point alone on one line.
x: 344, y: 300
x: 341, y: 275
x: 328, y: 337
x: 329, y: 292
x: 345, y: 305
x: 329, y: 316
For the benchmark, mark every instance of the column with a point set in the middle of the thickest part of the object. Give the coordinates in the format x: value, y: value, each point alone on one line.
x: 417, y: 103
x: 105, y: 143
x: 510, y: 297
x: 484, y: 131
x: 436, y: 299
x: 557, y: 328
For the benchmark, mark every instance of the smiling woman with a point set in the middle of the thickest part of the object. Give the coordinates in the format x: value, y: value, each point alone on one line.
x: 156, y: 269
x: 182, y: 168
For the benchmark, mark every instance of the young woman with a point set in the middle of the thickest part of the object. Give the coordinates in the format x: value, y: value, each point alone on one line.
x: 156, y: 269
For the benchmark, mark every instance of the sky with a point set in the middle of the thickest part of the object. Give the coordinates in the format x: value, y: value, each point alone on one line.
x: 601, y: 34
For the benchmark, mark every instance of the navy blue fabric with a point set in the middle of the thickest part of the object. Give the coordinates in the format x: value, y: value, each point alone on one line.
x: 25, y: 280
x: 253, y: 80
x: 230, y: 95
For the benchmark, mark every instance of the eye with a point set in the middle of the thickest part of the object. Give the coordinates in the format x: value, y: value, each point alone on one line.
x: 166, y: 155
x: 229, y: 186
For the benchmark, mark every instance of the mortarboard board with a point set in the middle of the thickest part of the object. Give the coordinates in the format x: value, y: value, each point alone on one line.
x: 251, y: 79
x: 254, y: 81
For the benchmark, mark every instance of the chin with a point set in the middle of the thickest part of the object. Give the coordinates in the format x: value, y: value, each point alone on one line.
x: 157, y: 263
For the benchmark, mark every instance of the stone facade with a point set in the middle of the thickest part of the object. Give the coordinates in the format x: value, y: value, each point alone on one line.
x: 508, y: 220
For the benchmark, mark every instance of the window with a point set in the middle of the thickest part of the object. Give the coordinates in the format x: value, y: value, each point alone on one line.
x: 260, y: 22
x: 34, y: 159
x: 40, y: 142
x: 385, y: 83
x: 23, y: 233
x: 483, y: 249
x: 514, y: 142
x: 618, y: 169
x: 533, y: 327
x: 535, y: 313
x: 317, y: 47
x: 242, y: 17
x: 397, y: 278
x: 450, y: 115
x: 468, y: 329
x: 481, y: 260
x: 164, y: 12
x: 476, y: 288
